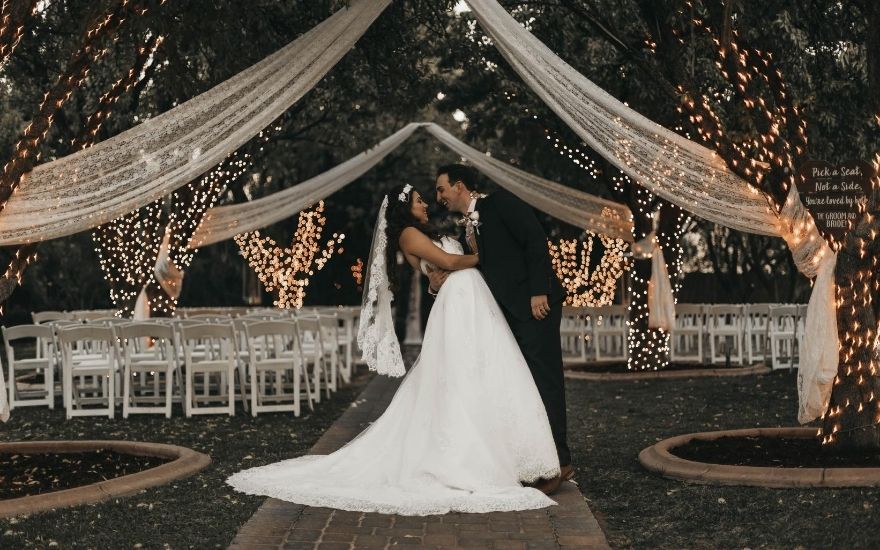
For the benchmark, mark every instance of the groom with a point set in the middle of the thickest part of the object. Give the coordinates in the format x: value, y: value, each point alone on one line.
x: 516, y: 264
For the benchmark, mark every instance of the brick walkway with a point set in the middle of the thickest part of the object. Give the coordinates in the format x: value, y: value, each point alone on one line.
x: 283, y: 525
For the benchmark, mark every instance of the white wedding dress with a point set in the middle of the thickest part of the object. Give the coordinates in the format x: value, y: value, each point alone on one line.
x: 466, y: 426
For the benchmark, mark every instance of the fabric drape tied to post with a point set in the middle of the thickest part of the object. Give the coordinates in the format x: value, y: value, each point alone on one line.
x: 170, y: 278
x: 819, y: 347
x: 820, y: 344
x: 661, y: 302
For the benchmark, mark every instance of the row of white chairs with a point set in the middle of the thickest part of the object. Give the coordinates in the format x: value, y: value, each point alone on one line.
x: 347, y: 316
x: 278, y: 358
x: 742, y: 334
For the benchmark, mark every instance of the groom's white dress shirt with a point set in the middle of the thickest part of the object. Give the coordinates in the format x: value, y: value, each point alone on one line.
x: 469, y: 228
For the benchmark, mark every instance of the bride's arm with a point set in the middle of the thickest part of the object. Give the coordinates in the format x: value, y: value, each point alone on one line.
x: 413, y: 241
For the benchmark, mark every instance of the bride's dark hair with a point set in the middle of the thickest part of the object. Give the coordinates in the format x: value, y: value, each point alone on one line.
x: 398, y: 216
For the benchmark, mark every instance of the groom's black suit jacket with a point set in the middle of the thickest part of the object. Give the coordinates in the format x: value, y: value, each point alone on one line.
x: 514, y: 257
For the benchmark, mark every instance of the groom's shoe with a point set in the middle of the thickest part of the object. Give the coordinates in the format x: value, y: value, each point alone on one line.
x: 550, y: 486
x: 566, y: 472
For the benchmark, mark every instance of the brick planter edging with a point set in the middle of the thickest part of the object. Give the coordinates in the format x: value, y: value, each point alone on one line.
x: 184, y: 462
x: 657, y: 458
x: 687, y: 373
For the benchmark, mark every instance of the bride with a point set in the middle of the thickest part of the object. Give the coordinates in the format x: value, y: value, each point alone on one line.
x: 466, y: 426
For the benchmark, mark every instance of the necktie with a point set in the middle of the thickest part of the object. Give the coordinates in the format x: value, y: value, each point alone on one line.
x: 471, y: 238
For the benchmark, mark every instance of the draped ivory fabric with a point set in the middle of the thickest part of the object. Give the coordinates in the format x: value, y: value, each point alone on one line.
x: 819, y: 348
x: 170, y: 278
x: 661, y: 301
x: 677, y: 169
x: 224, y: 222
x: 574, y: 207
x: 136, y: 167
x: 569, y: 205
x: 658, y: 159
x: 140, y: 165
x: 814, y: 258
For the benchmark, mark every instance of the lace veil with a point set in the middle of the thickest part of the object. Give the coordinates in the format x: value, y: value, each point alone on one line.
x: 376, y: 337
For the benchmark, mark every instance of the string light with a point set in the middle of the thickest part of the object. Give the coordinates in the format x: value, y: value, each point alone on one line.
x: 647, y: 348
x: 765, y: 158
x: 190, y: 203
x: 357, y: 271
x: 585, y: 287
x: 286, y: 271
x: 126, y: 247
x: 27, y: 149
x: 13, y: 16
x: 853, y: 406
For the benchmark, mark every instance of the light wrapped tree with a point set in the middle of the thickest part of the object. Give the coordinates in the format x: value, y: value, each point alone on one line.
x: 27, y: 152
x: 286, y: 271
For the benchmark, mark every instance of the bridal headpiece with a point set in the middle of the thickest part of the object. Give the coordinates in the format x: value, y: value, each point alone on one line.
x: 404, y: 195
x: 376, y: 337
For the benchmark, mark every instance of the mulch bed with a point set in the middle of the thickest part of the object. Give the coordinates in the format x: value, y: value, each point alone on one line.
x: 24, y: 475
x: 197, y: 512
x: 610, y: 423
x: 622, y: 367
x: 771, y: 452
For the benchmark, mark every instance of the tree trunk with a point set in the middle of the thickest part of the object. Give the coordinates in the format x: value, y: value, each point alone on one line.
x: 160, y: 303
x: 649, y: 348
x: 853, y: 416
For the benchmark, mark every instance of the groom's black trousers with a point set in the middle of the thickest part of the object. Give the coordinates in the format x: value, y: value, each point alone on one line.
x: 542, y: 347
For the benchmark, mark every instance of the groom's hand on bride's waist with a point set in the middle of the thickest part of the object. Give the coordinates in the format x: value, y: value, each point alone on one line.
x: 436, y: 278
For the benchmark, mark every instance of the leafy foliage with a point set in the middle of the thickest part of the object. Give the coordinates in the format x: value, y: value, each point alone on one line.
x: 416, y: 49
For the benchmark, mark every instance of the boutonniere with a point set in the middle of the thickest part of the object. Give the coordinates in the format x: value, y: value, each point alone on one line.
x: 471, y: 219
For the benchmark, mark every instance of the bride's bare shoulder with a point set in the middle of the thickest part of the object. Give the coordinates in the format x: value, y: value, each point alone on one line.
x: 412, y: 234
x: 412, y: 230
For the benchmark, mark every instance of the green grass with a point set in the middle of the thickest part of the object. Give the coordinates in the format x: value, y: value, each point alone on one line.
x: 197, y: 512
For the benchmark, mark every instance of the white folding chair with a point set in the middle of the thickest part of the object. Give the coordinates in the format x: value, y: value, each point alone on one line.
x: 610, y: 333
x: 41, y: 317
x: 208, y: 318
x: 153, y: 358
x: 91, y: 314
x: 275, y: 365
x: 782, y: 335
x: 311, y: 344
x: 348, y: 321
x: 330, y: 344
x: 757, y: 324
x: 267, y: 314
x: 573, y: 332
x: 109, y: 321
x: 724, y: 325
x: 216, y: 356
x: 89, y: 351
x: 686, y: 342
x: 43, y: 362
